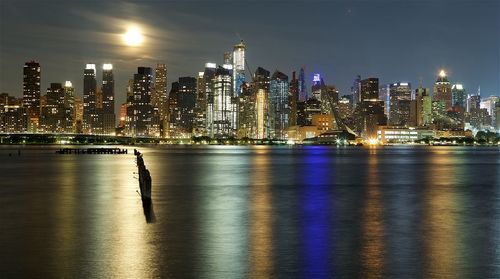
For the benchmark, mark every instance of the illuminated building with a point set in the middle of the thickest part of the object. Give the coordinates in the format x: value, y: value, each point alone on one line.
x: 345, y: 109
x: 318, y: 85
x: 13, y: 119
x: 238, y: 67
x: 261, y: 87
x: 442, y: 90
x: 223, y: 109
x: 384, y: 95
x: 369, y: 112
x: 279, y: 110
x: 173, y: 111
x: 123, y: 115
x: 369, y: 89
x: 141, y: 109
x: 69, y: 107
x: 78, y: 115
x: 312, y: 107
x: 399, y: 95
x: 355, y: 90
x: 402, y: 135
x: 53, y: 112
x: 31, y: 93
x: 489, y: 104
x: 186, y: 101
x: 423, y: 105
x: 246, y: 112
x: 90, y: 116
x: 161, y: 94
x: 208, y: 79
x: 200, y: 110
x: 303, y: 95
x: 497, y: 117
x: 293, y: 99
x: 108, y: 116
x: 458, y: 96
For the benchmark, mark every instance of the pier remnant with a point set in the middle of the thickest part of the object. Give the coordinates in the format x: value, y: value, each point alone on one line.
x: 144, y: 178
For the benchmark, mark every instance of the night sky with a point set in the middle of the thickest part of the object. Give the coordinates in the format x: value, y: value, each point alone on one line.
x: 391, y: 40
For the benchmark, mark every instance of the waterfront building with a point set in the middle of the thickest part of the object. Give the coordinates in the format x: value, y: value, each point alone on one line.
x: 261, y: 86
x: 31, y: 93
x: 160, y: 99
x: 90, y: 114
x: 489, y: 104
x: 355, y: 90
x: 459, y: 96
x: 423, y: 104
x: 223, y: 110
x: 247, y: 112
x: 303, y: 95
x: 238, y: 67
x: 200, y: 110
x: 399, y: 96
x: 186, y: 102
x: 293, y: 96
x: 141, y: 110
x: 108, y: 116
x: 69, y: 107
x: 384, y: 95
x: 442, y: 90
x: 279, y: 110
x: 53, y: 112
x: 392, y: 134
x: 13, y: 119
x: 369, y: 113
x: 209, y: 78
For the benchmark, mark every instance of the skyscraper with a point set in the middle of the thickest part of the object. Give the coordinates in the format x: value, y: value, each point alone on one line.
x: 108, y: 100
x: 399, y: 95
x: 90, y: 116
x: 442, y: 90
x: 31, y: 93
x: 209, y: 78
x: 223, y: 106
x: 459, y: 96
x: 238, y: 67
x: 261, y: 87
x: 279, y: 110
x: 161, y: 92
x: 423, y: 107
x: 293, y: 96
x: 69, y: 107
x: 303, y: 96
x: 371, y: 112
x: 141, y: 105
x: 186, y: 103
x: 53, y: 113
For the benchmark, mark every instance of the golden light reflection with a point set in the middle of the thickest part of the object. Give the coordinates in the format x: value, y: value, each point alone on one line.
x: 65, y: 210
x: 372, y: 253
x: 261, y: 260
x: 133, y: 254
x: 440, y: 227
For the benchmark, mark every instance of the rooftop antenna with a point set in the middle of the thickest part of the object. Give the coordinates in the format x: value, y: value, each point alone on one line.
x: 479, y: 90
x: 420, y: 82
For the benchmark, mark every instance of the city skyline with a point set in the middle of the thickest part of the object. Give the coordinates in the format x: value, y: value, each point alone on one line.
x: 96, y: 38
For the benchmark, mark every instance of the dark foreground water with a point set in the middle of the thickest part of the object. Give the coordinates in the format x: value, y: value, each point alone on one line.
x: 236, y: 212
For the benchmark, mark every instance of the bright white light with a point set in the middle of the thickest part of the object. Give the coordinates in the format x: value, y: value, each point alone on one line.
x: 227, y: 66
x: 68, y: 84
x: 373, y: 141
x: 133, y: 37
x: 90, y: 67
x: 442, y: 73
x: 107, y: 66
x: 210, y: 65
x: 316, y: 78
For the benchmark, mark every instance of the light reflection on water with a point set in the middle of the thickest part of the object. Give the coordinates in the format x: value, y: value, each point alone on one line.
x: 235, y: 212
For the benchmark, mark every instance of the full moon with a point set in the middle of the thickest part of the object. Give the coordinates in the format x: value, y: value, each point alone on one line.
x: 133, y: 37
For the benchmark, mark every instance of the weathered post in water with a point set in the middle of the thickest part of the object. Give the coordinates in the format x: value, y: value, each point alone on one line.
x: 144, y: 178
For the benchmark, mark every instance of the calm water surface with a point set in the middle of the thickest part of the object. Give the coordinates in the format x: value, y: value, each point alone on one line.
x: 260, y: 212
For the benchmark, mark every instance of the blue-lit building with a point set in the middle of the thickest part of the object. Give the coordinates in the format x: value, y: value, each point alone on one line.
x: 279, y: 110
